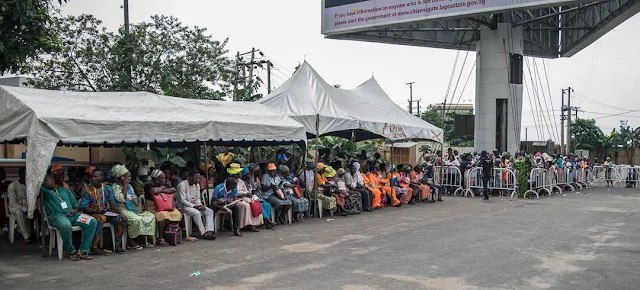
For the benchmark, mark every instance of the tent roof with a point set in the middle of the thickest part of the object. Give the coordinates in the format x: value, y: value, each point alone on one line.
x: 46, y: 118
x: 137, y: 117
x: 366, y: 111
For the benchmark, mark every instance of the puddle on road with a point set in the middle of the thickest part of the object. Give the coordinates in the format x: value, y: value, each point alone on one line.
x: 606, y: 209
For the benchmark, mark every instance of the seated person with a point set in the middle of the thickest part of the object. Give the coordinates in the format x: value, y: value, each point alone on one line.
x: 376, y: 193
x: 416, y: 178
x: 430, y: 180
x: 323, y: 189
x: 348, y: 200
x: 157, y: 188
x: 404, y: 181
x: 292, y: 191
x: 139, y: 221
x: 224, y: 200
x: 251, y: 176
x: 355, y: 183
x: 248, y: 221
x: 96, y: 200
x: 378, y: 178
x: 191, y: 205
x: 61, y: 208
x: 394, y: 179
x: 272, y: 191
x: 18, y: 205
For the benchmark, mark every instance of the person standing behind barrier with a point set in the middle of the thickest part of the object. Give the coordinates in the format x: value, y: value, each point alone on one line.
x: 487, y: 170
x: 608, y: 169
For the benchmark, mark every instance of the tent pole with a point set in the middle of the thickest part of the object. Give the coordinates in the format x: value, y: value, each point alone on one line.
x: 206, y: 168
x: 391, y: 152
x: 315, y: 193
x: 43, y: 232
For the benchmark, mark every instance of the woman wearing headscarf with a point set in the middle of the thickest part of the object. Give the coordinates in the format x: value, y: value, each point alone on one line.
x: 323, y: 189
x: 348, y: 192
x: 248, y: 221
x: 250, y: 175
x: 157, y: 187
x: 139, y: 221
x: 272, y: 191
x: 292, y: 191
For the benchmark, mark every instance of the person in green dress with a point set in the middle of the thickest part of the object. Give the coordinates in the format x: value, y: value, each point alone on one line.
x: 62, y: 212
x: 140, y: 222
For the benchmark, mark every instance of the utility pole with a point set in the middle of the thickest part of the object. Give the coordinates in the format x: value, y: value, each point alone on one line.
x: 569, y: 120
x: 410, y: 97
x: 125, y: 6
x: 418, y: 115
x: 269, y: 77
x: 237, y: 73
x: 253, y: 57
x: 562, y: 148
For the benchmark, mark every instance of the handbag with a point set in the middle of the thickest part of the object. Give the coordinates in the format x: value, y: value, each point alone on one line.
x: 163, y: 201
x: 256, y: 208
x: 137, y: 204
x: 173, y: 234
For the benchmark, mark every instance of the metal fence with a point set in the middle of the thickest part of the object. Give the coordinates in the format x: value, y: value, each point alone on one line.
x: 449, y: 177
x: 503, y: 179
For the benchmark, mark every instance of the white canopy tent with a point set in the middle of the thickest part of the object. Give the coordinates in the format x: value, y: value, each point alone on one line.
x: 47, y: 118
x: 365, y: 112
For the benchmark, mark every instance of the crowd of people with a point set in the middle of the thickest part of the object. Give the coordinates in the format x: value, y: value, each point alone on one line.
x: 160, y: 202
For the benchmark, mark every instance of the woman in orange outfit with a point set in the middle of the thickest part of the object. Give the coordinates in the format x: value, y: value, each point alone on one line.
x: 416, y: 181
x: 382, y: 182
x: 376, y: 201
x: 404, y: 181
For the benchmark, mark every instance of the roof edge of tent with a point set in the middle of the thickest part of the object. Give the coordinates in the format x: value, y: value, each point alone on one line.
x: 123, y: 142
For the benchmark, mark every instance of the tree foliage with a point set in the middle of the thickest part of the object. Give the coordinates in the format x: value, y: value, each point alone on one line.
x: 160, y: 56
x: 629, y: 139
x: 585, y: 134
x: 25, y: 31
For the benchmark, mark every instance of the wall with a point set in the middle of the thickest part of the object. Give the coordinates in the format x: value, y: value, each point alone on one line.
x: 79, y: 154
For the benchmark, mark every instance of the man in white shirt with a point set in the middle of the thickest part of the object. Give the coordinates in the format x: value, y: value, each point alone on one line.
x: 355, y: 182
x: 191, y: 205
x: 18, y: 205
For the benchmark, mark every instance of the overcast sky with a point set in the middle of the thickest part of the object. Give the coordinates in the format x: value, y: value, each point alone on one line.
x: 607, y: 73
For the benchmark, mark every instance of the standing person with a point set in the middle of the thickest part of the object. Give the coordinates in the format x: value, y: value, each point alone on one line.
x: 61, y: 208
x: 18, y: 204
x: 139, y: 221
x: 487, y: 169
x: 96, y: 199
x: 191, y: 205
x: 608, y: 171
x: 306, y: 177
x: 226, y: 157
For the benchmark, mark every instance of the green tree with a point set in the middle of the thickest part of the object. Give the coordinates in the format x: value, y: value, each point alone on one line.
x: 607, y: 143
x: 25, y: 31
x: 629, y: 140
x: 160, y: 56
x: 585, y: 134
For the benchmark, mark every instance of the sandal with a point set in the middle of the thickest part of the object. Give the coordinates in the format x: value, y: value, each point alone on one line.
x: 191, y: 239
x: 85, y: 256
x: 75, y: 256
x: 136, y: 247
x: 162, y: 242
x: 237, y: 233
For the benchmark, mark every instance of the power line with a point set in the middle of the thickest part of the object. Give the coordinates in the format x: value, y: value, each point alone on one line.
x: 546, y: 75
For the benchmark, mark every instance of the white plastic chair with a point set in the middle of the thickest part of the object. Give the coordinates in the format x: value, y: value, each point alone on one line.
x: 319, y: 202
x: 289, y: 215
x: 12, y: 220
x: 113, y: 235
x: 55, y: 240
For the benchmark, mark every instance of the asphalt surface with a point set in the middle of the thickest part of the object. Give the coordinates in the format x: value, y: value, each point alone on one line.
x: 581, y: 242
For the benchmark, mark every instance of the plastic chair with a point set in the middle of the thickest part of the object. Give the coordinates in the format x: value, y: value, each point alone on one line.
x: 113, y: 235
x: 12, y: 220
x: 218, y: 220
x: 289, y: 215
x: 319, y: 202
x: 54, y: 236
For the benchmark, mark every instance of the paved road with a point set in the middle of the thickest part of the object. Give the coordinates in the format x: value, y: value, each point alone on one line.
x: 575, y: 242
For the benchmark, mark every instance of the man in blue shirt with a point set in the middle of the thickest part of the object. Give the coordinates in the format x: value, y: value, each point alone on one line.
x: 223, y: 196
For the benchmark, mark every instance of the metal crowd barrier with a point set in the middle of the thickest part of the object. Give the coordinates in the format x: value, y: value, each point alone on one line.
x: 618, y: 174
x: 449, y: 176
x: 540, y: 179
x: 631, y: 176
x: 503, y: 179
x: 564, y: 177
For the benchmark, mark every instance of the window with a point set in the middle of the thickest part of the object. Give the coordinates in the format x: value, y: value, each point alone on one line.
x: 516, y: 69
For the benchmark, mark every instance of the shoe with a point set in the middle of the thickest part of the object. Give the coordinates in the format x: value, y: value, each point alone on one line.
x: 209, y: 236
x: 97, y: 252
x: 119, y: 250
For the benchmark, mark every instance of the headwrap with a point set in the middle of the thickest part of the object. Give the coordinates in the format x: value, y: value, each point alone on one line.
x: 321, y: 165
x: 119, y: 170
x: 143, y: 171
x: 90, y: 169
x: 341, y: 171
x: 245, y: 171
x: 283, y: 168
x: 329, y: 172
x: 357, y: 166
x: 156, y: 173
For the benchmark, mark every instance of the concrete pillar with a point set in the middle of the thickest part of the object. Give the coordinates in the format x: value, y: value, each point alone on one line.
x: 492, y: 84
